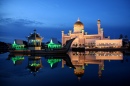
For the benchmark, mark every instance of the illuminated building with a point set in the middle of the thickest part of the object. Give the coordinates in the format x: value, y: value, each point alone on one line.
x: 34, y: 63
x: 54, y: 43
x: 52, y: 61
x: 17, y: 59
x: 34, y: 41
x: 18, y: 45
x: 90, y: 40
x: 83, y: 59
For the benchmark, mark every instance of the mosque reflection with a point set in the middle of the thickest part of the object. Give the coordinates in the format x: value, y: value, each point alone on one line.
x: 82, y: 59
x: 76, y: 60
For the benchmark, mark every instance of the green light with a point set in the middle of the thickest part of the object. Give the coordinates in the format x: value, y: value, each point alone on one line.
x: 18, y: 47
x: 53, y: 61
x: 53, y: 45
x: 16, y: 58
x: 14, y: 42
x: 51, y: 42
x: 102, y: 68
x: 83, y: 67
x: 34, y: 64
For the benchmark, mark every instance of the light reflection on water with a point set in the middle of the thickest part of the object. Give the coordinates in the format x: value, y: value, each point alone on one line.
x: 85, y: 67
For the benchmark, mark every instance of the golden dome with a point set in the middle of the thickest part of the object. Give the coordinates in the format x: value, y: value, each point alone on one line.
x: 78, y: 22
x: 79, y: 75
x: 78, y: 71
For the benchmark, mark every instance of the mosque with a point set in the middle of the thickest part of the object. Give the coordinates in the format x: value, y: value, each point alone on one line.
x: 90, y: 40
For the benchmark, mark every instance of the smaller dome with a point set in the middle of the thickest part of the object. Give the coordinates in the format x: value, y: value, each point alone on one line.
x: 33, y: 35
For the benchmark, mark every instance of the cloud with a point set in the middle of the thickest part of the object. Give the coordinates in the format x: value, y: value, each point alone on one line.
x: 21, y: 22
x: 27, y: 22
x: 17, y: 28
x: 5, y: 20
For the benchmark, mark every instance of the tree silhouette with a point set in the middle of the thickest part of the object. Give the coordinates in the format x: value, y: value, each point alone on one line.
x: 126, y: 36
x: 121, y: 36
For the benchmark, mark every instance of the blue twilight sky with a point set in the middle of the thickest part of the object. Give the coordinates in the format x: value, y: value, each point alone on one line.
x: 19, y: 17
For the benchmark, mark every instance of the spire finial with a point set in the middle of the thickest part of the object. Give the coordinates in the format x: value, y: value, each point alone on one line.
x: 98, y: 21
x: 78, y: 19
x: 79, y: 78
x: 34, y: 30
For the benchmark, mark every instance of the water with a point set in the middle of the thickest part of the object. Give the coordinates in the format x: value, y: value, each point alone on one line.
x: 116, y: 69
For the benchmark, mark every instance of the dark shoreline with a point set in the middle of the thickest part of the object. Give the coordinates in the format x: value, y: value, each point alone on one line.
x: 73, y: 49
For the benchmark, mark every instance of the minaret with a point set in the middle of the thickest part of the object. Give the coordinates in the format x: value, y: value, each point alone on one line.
x: 62, y: 32
x: 63, y: 62
x: 99, y: 26
x: 70, y: 32
x: 101, y: 67
x: 101, y: 33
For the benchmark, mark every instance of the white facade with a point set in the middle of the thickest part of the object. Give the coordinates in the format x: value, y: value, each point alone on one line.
x: 114, y: 43
x: 89, y: 40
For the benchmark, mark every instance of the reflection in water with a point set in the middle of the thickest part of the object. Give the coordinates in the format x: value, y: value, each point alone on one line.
x: 76, y: 60
x: 34, y: 64
x: 16, y: 59
x: 82, y: 59
x: 53, y: 62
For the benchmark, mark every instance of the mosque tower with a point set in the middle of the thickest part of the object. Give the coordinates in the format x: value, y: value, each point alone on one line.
x: 99, y: 26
